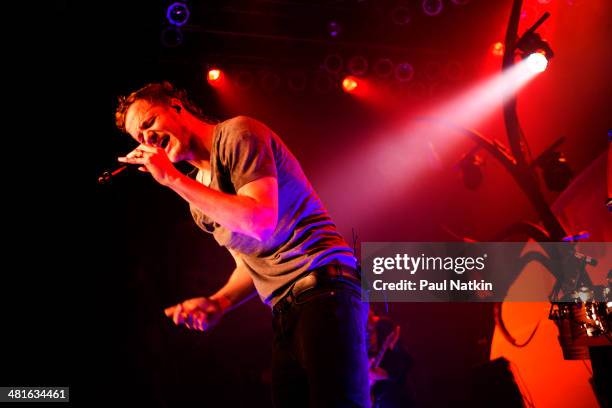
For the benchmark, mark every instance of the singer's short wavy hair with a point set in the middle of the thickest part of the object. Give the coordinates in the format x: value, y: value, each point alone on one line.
x: 157, y: 92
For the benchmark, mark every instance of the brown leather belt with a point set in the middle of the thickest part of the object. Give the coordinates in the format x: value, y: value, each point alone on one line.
x: 318, y: 278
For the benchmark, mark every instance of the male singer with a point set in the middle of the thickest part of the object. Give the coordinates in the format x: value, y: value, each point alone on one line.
x: 251, y: 194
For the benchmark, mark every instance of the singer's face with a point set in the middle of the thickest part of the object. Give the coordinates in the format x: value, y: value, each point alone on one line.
x: 158, y: 125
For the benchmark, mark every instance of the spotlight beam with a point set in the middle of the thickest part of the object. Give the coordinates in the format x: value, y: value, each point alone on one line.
x: 479, y: 102
x: 495, y: 148
x: 402, y: 157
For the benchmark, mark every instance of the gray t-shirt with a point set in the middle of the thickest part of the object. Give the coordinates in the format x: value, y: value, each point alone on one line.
x: 244, y: 150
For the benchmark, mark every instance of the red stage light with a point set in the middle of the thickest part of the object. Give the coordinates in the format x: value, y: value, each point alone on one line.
x: 214, y: 76
x: 498, y: 49
x: 349, y: 84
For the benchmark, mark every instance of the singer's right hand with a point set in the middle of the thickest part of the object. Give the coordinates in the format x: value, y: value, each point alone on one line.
x: 199, y: 313
x: 155, y: 161
x: 136, y: 153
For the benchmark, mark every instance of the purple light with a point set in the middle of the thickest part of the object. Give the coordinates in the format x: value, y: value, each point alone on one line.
x: 579, y: 236
x: 334, y: 29
x: 177, y: 14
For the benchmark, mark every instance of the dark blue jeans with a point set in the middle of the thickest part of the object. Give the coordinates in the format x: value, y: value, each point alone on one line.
x: 319, y: 356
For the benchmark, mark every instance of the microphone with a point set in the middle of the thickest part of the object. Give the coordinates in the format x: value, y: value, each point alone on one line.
x: 109, y: 174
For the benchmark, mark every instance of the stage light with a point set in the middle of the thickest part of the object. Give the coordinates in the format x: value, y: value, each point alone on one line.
x: 334, y: 29
x: 177, y: 14
x: 402, y: 155
x: 214, y: 76
x: 349, y: 84
x: 432, y: 7
x: 537, y: 62
x: 498, y: 49
x: 358, y: 65
x: 531, y: 42
x: 404, y: 72
x: 533, y: 48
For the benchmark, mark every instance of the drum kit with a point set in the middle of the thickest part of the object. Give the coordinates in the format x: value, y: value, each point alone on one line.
x: 584, y: 319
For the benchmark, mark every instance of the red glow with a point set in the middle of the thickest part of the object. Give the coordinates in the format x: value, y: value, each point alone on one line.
x: 215, y: 76
x: 498, y: 49
x: 349, y: 84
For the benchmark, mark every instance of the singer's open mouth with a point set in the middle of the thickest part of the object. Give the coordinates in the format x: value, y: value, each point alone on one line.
x: 164, y: 142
